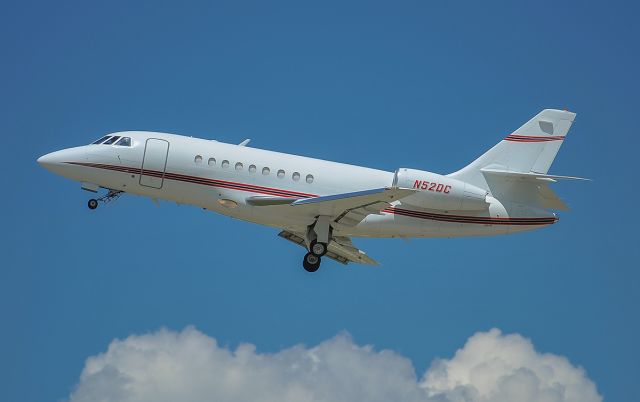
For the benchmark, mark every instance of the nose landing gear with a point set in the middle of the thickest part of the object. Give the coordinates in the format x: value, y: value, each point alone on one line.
x: 112, y: 195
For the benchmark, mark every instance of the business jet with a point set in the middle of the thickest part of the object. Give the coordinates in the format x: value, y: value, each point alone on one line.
x: 320, y: 205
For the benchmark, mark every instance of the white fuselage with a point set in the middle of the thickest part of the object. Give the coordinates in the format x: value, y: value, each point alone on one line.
x: 220, y: 177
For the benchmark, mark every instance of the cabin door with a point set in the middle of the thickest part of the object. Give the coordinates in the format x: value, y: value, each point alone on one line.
x: 154, y: 163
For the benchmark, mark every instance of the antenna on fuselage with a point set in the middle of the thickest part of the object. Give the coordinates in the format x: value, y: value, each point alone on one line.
x: 245, y: 142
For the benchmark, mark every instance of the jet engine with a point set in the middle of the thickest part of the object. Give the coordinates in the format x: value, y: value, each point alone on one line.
x: 436, y: 191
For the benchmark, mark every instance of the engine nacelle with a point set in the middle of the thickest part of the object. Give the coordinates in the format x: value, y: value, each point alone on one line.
x: 436, y: 191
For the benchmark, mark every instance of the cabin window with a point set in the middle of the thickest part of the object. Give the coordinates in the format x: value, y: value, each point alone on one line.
x: 212, y: 161
x: 309, y: 178
x: 239, y: 166
x: 106, y: 137
x: 111, y: 140
x: 198, y: 159
x: 265, y: 171
x: 280, y: 174
x: 124, y: 142
x: 295, y: 176
x: 225, y: 164
x: 252, y: 168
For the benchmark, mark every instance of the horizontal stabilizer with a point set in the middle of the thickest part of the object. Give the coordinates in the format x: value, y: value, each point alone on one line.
x: 531, y: 189
x: 529, y: 176
x: 547, y: 198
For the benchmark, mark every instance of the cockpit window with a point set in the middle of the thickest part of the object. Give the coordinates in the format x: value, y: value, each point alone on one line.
x: 101, y: 139
x: 124, y: 142
x: 111, y: 140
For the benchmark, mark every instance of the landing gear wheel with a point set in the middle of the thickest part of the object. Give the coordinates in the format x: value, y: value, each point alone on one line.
x: 318, y: 248
x: 311, y: 262
x: 107, y: 198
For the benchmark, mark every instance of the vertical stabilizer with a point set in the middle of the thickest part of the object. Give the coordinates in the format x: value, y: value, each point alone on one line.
x: 530, y: 149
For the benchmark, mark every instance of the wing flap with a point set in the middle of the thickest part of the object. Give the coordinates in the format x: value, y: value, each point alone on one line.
x: 340, y: 249
x: 293, y: 238
x: 343, y: 247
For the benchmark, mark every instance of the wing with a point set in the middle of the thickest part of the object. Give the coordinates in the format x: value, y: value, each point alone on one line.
x: 340, y: 249
x: 346, y: 208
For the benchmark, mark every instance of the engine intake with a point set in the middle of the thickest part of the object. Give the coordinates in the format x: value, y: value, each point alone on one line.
x: 440, y: 192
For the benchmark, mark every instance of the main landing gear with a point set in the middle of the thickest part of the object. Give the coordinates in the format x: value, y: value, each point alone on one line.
x: 110, y: 196
x: 318, y: 236
x: 311, y: 262
x: 317, y: 248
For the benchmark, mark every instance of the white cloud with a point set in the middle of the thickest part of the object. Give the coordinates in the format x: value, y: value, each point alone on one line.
x: 190, y: 366
x: 495, y: 367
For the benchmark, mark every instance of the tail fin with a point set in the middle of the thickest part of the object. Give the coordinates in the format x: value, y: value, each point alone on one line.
x: 530, y: 149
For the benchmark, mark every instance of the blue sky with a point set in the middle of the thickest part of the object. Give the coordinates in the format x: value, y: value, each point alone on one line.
x: 379, y: 84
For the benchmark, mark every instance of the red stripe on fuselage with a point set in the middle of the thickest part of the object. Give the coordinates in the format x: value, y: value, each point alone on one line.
x: 294, y: 194
x: 471, y: 219
x: 201, y: 180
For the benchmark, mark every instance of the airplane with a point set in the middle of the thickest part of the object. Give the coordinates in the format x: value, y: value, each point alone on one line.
x: 320, y: 205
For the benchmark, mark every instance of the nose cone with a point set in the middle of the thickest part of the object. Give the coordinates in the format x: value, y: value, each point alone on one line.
x: 51, y: 160
x: 47, y: 160
x: 62, y: 162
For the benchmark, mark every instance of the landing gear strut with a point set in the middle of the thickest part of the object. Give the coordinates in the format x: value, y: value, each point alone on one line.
x: 317, y: 238
x: 311, y: 262
x: 110, y: 196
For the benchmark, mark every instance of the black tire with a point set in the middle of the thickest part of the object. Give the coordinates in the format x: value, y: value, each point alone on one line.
x: 315, y: 245
x: 92, y: 204
x: 311, y: 262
